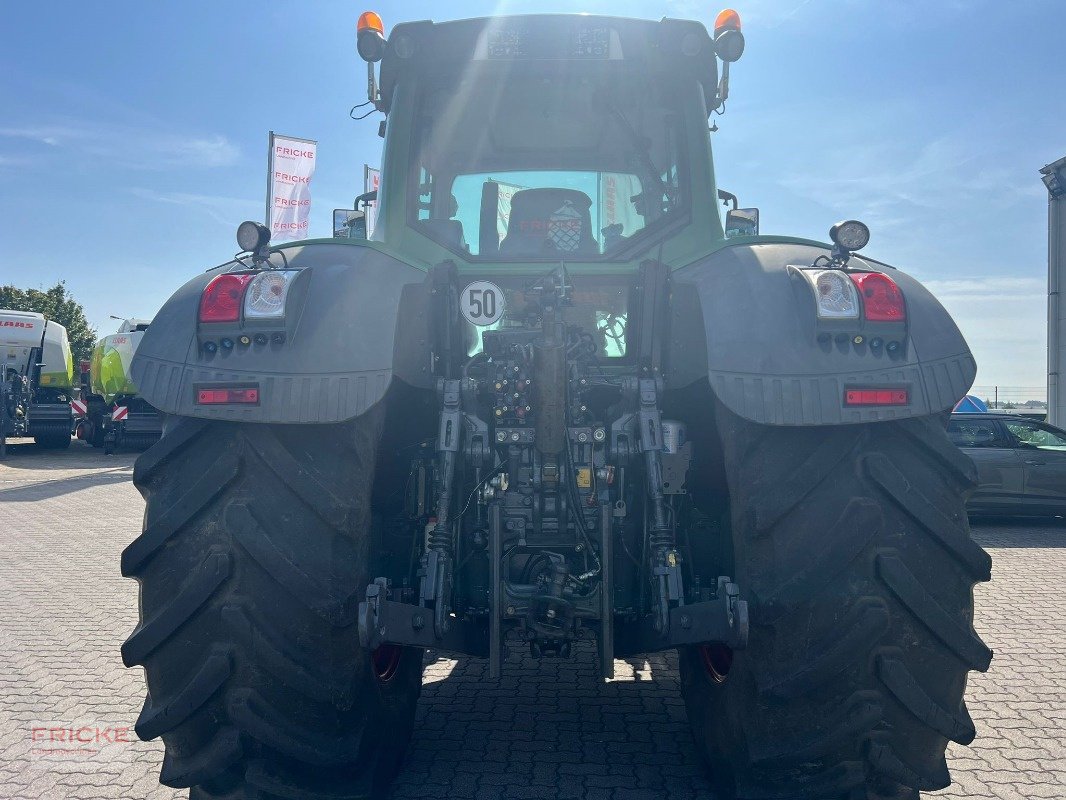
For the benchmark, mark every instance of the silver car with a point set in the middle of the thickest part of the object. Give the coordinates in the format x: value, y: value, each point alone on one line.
x: 1021, y: 464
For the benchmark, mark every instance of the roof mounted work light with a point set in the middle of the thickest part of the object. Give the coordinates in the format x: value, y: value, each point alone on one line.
x: 850, y: 235
x: 252, y: 237
x: 370, y: 37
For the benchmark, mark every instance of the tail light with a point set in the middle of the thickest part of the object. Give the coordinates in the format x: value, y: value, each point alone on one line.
x: 267, y: 293
x: 834, y: 294
x: 882, y: 301
x: 221, y: 300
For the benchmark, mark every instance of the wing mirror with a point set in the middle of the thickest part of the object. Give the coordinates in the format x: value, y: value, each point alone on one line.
x: 351, y: 224
x: 348, y: 224
x: 742, y: 222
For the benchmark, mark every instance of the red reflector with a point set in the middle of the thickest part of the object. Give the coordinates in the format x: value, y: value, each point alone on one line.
x: 221, y: 300
x: 882, y: 300
x: 219, y: 395
x: 877, y: 397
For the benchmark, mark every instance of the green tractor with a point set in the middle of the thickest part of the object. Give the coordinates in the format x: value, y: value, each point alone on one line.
x: 36, y: 380
x: 551, y: 407
x: 115, y: 415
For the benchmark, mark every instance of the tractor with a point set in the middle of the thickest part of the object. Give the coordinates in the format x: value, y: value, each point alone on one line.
x: 551, y: 407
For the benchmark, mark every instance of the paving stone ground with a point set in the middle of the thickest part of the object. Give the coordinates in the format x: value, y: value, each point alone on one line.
x: 548, y: 730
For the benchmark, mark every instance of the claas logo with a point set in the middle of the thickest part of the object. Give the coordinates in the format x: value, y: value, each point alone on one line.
x: 10, y: 323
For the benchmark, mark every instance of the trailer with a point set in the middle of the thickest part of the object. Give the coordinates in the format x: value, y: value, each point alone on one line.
x: 37, y: 380
x: 113, y: 414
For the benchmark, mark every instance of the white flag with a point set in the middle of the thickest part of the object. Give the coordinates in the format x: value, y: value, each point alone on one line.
x: 503, y: 206
x: 292, y: 165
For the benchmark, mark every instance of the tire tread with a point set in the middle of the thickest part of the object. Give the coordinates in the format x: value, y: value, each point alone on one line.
x: 176, y: 516
x: 250, y: 565
x: 156, y: 718
x: 905, y: 586
x: 826, y: 705
x: 905, y: 688
x: 196, y: 591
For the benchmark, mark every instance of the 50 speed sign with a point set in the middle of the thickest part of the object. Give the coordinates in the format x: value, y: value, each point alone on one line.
x: 482, y: 303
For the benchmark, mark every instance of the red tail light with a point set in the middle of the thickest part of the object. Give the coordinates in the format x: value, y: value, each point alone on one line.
x: 219, y: 395
x: 882, y: 300
x: 221, y: 300
x: 861, y: 396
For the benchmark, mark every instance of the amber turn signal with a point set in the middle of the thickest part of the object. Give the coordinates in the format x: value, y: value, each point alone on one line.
x: 370, y: 20
x: 728, y: 20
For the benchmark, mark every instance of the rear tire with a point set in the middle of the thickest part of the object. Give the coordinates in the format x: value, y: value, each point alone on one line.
x: 96, y: 433
x: 853, y: 550
x: 253, y: 559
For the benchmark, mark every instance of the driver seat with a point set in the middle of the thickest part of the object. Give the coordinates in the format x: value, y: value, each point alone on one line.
x: 549, y: 222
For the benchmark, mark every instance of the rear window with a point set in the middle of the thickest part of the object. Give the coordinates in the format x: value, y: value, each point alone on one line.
x: 513, y: 167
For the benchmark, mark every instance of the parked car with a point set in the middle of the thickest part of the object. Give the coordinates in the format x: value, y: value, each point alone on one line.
x: 1021, y: 463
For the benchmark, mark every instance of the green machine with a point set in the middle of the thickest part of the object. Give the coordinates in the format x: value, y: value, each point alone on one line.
x: 37, y: 380
x: 555, y: 405
x: 115, y: 415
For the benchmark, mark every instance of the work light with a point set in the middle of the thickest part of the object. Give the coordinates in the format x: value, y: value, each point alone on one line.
x: 251, y: 236
x: 850, y: 235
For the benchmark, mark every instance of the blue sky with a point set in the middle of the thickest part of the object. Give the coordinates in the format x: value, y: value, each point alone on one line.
x: 133, y: 138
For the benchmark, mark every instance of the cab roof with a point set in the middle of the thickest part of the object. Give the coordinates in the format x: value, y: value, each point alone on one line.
x: 668, y: 47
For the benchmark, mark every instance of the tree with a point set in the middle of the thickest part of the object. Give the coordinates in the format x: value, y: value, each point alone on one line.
x: 56, y: 304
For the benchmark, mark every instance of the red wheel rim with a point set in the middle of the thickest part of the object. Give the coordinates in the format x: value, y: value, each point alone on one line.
x: 717, y: 659
x: 386, y: 661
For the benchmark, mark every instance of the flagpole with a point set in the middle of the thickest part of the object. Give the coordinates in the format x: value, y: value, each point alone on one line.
x: 270, y: 176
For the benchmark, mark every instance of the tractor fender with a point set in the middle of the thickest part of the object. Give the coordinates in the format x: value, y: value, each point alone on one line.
x: 357, y: 320
x: 746, y: 320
